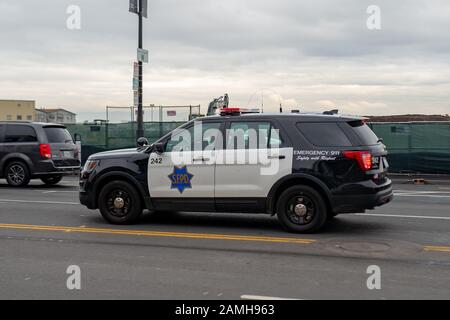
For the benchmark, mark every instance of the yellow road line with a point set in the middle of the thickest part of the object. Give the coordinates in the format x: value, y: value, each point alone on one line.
x: 156, y: 233
x: 437, y: 248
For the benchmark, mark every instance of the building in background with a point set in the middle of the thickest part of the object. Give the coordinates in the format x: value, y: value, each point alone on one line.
x: 41, y: 116
x: 17, y: 110
x: 56, y: 116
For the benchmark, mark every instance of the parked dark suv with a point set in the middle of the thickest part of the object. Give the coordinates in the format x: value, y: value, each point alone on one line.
x: 36, y: 150
x: 312, y: 168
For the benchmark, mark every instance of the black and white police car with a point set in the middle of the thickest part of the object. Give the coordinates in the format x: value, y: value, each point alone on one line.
x: 305, y: 168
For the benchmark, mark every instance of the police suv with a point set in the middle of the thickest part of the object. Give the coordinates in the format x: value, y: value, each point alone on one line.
x: 305, y: 168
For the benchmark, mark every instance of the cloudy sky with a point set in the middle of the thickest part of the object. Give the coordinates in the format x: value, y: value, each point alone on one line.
x: 309, y: 55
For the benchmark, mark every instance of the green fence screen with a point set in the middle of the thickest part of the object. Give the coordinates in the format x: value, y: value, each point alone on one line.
x: 414, y: 147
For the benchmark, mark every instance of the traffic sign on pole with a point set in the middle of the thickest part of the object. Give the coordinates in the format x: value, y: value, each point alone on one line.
x: 142, y: 55
x: 144, y: 8
x: 136, y: 98
x: 136, y: 70
x: 134, y: 6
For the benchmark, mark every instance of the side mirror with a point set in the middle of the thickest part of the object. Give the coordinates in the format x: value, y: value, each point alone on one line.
x: 77, y: 137
x: 159, y: 147
x: 142, y: 142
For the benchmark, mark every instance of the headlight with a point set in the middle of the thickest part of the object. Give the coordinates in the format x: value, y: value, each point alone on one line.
x: 90, y: 165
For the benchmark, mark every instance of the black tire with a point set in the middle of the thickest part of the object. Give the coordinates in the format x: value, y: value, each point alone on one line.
x: 17, y: 174
x: 51, y: 180
x: 311, y: 214
x: 116, y: 194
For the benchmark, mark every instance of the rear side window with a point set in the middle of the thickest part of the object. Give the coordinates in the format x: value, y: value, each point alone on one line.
x: 365, y: 134
x: 324, y: 134
x: 1, y: 133
x: 57, y: 135
x: 19, y: 133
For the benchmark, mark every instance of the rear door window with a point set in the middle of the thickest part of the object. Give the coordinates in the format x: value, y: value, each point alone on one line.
x: 19, y: 133
x: 57, y: 135
x: 364, y: 133
x: 324, y: 134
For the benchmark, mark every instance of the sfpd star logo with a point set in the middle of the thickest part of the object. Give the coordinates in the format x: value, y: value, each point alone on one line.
x: 180, y: 178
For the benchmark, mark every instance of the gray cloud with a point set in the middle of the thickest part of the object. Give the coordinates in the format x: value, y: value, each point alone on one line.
x: 312, y: 54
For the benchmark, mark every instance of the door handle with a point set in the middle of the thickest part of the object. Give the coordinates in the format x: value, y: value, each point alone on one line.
x: 201, y: 159
x: 277, y: 157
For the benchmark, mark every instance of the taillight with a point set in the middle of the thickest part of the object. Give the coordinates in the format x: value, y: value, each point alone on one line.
x: 45, y: 150
x: 364, y: 158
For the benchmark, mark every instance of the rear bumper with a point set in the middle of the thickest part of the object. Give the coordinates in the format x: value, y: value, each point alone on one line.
x: 59, y: 171
x: 48, y: 167
x: 359, y: 202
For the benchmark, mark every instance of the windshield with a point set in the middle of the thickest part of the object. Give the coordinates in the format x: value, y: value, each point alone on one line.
x: 58, y: 135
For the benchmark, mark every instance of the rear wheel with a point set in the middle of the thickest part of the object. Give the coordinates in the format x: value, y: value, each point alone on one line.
x: 301, y: 209
x: 17, y: 174
x: 51, y: 180
x: 119, y: 203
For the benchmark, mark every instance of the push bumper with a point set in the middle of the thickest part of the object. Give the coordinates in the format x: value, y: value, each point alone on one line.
x: 87, y: 201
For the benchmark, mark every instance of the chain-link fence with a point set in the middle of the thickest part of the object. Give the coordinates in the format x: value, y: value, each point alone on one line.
x: 99, y: 137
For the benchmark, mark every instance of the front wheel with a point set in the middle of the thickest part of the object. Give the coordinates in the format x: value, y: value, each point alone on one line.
x: 51, y: 180
x: 119, y: 203
x: 301, y: 209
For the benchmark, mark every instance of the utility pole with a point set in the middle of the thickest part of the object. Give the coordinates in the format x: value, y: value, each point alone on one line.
x: 139, y: 7
x: 140, y: 113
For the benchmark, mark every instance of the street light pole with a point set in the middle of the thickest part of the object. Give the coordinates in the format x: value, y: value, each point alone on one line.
x: 140, y: 113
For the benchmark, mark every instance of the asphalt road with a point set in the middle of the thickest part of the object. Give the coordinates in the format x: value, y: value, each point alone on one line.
x: 221, y: 256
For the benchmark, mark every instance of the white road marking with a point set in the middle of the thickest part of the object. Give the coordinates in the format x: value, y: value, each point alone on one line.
x: 43, y: 202
x: 419, y: 192
x: 254, y: 297
x: 420, y: 195
x: 399, y: 216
